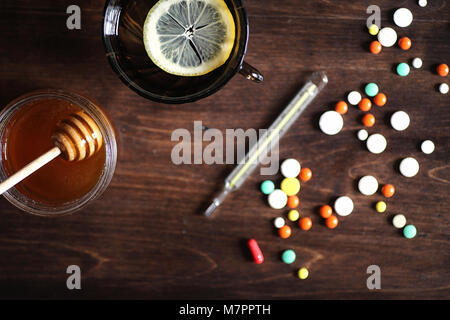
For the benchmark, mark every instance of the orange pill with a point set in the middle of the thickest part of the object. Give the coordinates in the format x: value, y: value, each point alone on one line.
x: 368, y: 120
x: 442, y: 70
x: 285, y: 232
x: 341, y: 107
x: 293, y: 202
x: 332, y: 222
x: 326, y: 211
x: 380, y: 99
x: 305, y: 223
x: 404, y: 43
x: 305, y: 174
x: 388, y: 190
x: 365, y: 104
x: 375, y: 47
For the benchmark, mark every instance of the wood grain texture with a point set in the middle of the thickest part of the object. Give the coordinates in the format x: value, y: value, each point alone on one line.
x: 146, y: 238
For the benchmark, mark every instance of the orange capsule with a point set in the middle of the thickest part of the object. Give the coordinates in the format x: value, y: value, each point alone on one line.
x: 368, y: 120
x: 305, y: 174
x: 341, y: 107
x: 375, y: 47
x: 380, y: 99
x: 305, y: 223
x: 332, y: 222
x: 285, y: 232
x: 293, y: 202
x: 326, y: 211
x: 365, y: 104
x: 442, y: 70
x: 404, y: 43
x: 388, y: 190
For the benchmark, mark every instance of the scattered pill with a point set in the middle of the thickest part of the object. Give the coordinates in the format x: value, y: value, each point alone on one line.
x: 325, y: 211
x: 332, y: 222
x: 305, y: 174
x: 293, y: 202
x: 400, y: 120
x: 354, y: 98
x: 279, y: 222
x: 399, y: 221
x: 341, y: 107
x: 404, y: 43
x: 331, y: 123
x: 368, y: 185
x: 365, y: 104
x: 305, y: 223
x: 381, y: 206
x: 371, y: 89
x: 343, y: 206
x: 373, y: 29
x: 363, y: 134
x: 285, y: 232
x: 388, y: 190
x: 442, y: 70
x: 380, y: 99
x: 409, y: 167
x: 422, y: 3
x: 443, y: 88
x: 427, y: 147
x: 387, y: 37
x: 267, y: 187
x: 375, y: 47
x: 417, y: 63
x: 403, y: 69
x: 303, y: 273
x: 368, y: 120
x: 288, y: 256
x: 293, y: 215
x: 291, y: 186
x: 277, y: 199
x: 403, y: 17
x: 290, y: 168
x: 376, y: 143
x: 256, y: 251
x: 409, y: 231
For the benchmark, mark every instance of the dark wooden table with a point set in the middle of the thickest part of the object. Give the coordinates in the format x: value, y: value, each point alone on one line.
x: 146, y: 237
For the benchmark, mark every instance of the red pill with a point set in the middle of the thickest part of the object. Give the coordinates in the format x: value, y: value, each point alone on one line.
x: 442, y: 70
x: 375, y: 47
x: 365, y: 104
x: 368, y: 120
x: 305, y: 223
x: 326, y: 211
x: 404, y: 43
x: 256, y: 251
x: 380, y: 99
x: 293, y: 202
x: 332, y: 222
x: 285, y: 232
x: 305, y: 174
x: 341, y: 107
x: 388, y: 190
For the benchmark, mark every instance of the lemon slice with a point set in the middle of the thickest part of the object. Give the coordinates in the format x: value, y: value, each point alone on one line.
x: 189, y: 37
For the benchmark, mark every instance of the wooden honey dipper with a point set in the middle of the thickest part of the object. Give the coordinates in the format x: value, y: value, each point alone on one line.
x: 76, y: 138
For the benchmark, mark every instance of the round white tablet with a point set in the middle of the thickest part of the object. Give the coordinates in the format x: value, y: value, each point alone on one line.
x: 427, y: 147
x: 279, y: 222
x: 417, y: 63
x: 403, y: 17
x: 400, y: 120
x: 368, y: 185
x: 331, y: 123
x: 363, y: 134
x: 443, y: 88
x: 376, y: 143
x: 423, y: 3
x: 354, y: 98
x: 387, y: 37
x: 343, y: 206
x: 290, y: 168
x: 399, y: 221
x: 409, y: 167
x: 277, y: 199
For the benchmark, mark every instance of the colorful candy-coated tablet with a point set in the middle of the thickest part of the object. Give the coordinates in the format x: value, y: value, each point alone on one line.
x: 368, y: 120
x: 326, y: 211
x: 332, y: 222
x: 409, y: 231
x: 371, y: 89
x: 267, y: 187
x: 404, y: 43
x: 293, y: 215
x: 381, y: 206
x: 365, y: 104
x: 288, y: 256
x: 303, y: 273
x: 291, y: 186
x: 442, y: 70
x: 285, y: 232
x: 341, y: 107
x: 403, y: 69
x: 305, y: 223
x: 388, y: 190
x: 256, y: 251
x: 374, y: 29
x: 375, y: 47
x: 293, y: 202
x: 305, y: 174
x: 380, y: 99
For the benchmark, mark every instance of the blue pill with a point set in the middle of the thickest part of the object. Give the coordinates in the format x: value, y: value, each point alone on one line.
x: 409, y: 231
x: 371, y: 89
x: 403, y: 69
x: 267, y: 187
x: 288, y: 256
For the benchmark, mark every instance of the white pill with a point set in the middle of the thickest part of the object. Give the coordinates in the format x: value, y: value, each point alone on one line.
x: 363, y: 134
x: 443, y: 88
x: 427, y: 147
x: 387, y: 37
x: 343, y: 206
x: 331, y: 123
x: 423, y: 3
x: 376, y: 143
x: 403, y: 17
x: 399, y: 221
x: 417, y: 63
x: 279, y: 222
x: 290, y: 168
x: 368, y: 185
x: 277, y: 199
x: 354, y: 98
x: 409, y: 167
x: 400, y: 120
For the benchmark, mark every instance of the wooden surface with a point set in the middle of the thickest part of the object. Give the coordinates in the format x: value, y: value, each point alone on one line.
x: 146, y: 237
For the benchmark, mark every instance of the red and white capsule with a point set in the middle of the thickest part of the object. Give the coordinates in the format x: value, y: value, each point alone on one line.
x: 256, y: 251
